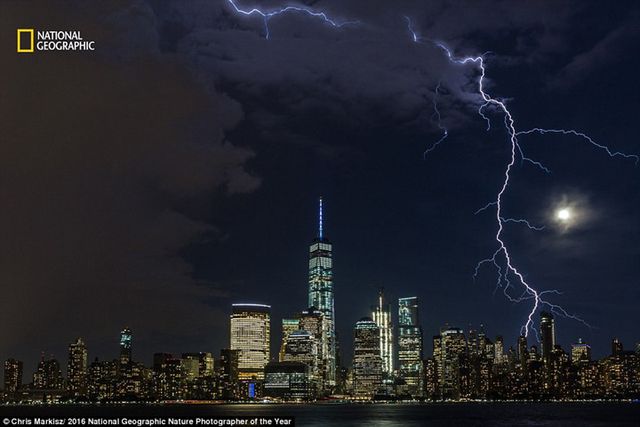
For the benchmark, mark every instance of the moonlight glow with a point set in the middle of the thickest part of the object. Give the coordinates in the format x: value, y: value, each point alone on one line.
x: 564, y: 214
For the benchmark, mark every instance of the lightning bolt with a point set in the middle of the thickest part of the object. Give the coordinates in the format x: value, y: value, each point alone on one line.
x: 438, y: 117
x: 266, y: 16
x: 501, y: 258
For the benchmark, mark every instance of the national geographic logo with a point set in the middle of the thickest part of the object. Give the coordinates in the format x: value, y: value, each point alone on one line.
x: 30, y: 40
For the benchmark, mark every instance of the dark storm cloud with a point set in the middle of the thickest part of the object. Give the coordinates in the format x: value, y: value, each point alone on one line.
x: 96, y: 155
x: 370, y: 72
x: 618, y: 42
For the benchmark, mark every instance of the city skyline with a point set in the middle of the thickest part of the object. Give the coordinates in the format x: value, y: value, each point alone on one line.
x: 462, y: 365
x: 404, y: 340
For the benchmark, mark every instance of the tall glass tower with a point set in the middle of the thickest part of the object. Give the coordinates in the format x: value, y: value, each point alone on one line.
x: 321, y: 293
x: 125, y: 346
x: 382, y: 316
x: 410, y: 345
x: 547, y: 335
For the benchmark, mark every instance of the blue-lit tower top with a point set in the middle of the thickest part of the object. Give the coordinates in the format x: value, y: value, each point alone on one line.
x: 320, y: 220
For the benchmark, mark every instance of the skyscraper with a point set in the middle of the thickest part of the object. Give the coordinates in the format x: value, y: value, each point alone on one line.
x: 125, y: 346
x: 313, y: 321
x: 288, y: 326
x: 382, y: 316
x: 410, y: 345
x: 302, y: 346
x: 12, y: 375
x: 48, y: 375
x: 77, y: 367
x: 580, y: 352
x: 367, y: 363
x: 547, y: 335
x: 448, y: 348
x: 523, y: 354
x: 321, y: 292
x: 251, y: 334
x: 228, y: 374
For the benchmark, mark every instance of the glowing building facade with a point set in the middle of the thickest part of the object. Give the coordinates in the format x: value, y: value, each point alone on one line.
x: 448, y: 349
x: 288, y: 326
x: 321, y: 294
x: 410, y: 365
x: 126, y: 339
x: 77, y: 368
x: 382, y: 316
x: 367, y: 363
x: 12, y: 375
x: 250, y: 334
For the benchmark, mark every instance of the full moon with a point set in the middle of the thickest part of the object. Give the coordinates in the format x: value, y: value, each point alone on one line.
x: 564, y: 214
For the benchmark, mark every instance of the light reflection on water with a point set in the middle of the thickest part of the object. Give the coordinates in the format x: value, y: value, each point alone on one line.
x: 379, y: 415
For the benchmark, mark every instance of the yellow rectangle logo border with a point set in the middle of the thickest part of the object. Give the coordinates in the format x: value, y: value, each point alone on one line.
x: 19, y: 47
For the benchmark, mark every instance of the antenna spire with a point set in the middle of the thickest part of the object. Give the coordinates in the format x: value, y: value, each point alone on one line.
x: 320, y: 220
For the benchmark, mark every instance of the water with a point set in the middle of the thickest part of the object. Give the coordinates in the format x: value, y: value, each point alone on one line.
x: 377, y: 415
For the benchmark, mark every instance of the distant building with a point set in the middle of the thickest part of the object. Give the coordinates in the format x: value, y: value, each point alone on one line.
x: 448, y: 350
x: 313, y: 321
x: 48, y: 375
x: 126, y: 339
x: 103, y: 376
x: 547, y: 335
x: 302, y: 346
x: 616, y: 347
x: 288, y: 326
x: 288, y: 381
x: 77, y: 368
x: 382, y: 316
x: 523, y: 354
x: 169, y: 377
x: 410, y: 346
x: 251, y: 334
x: 580, y: 352
x: 228, y: 380
x: 13, y: 370
x: 367, y: 363
x: 205, y: 363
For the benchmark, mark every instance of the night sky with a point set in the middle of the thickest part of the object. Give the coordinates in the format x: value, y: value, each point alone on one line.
x: 176, y: 170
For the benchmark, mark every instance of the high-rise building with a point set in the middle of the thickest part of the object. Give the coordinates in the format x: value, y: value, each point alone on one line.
x: 448, y: 350
x: 288, y: 326
x: 616, y: 347
x: 580, y: 352
x: 12, y: 375
x: 367, y: 363
x: 251, y: 334
x: 204, y: 363
x: 547, y: 335
x: 498, y: 348
x: 228, y: 374
x: 125, y: 346
x: 321, y: 293
x: 48, y: 375
x: 288, y: 381
x: 103, y: 379
x: 410, y: 363
x: 190, y: 367
x: 169, y: 377
x: 302, y: 346
x: 523, y: 354
x: 77, y: 367
x: 382, y: 316
x: 313, y: 321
